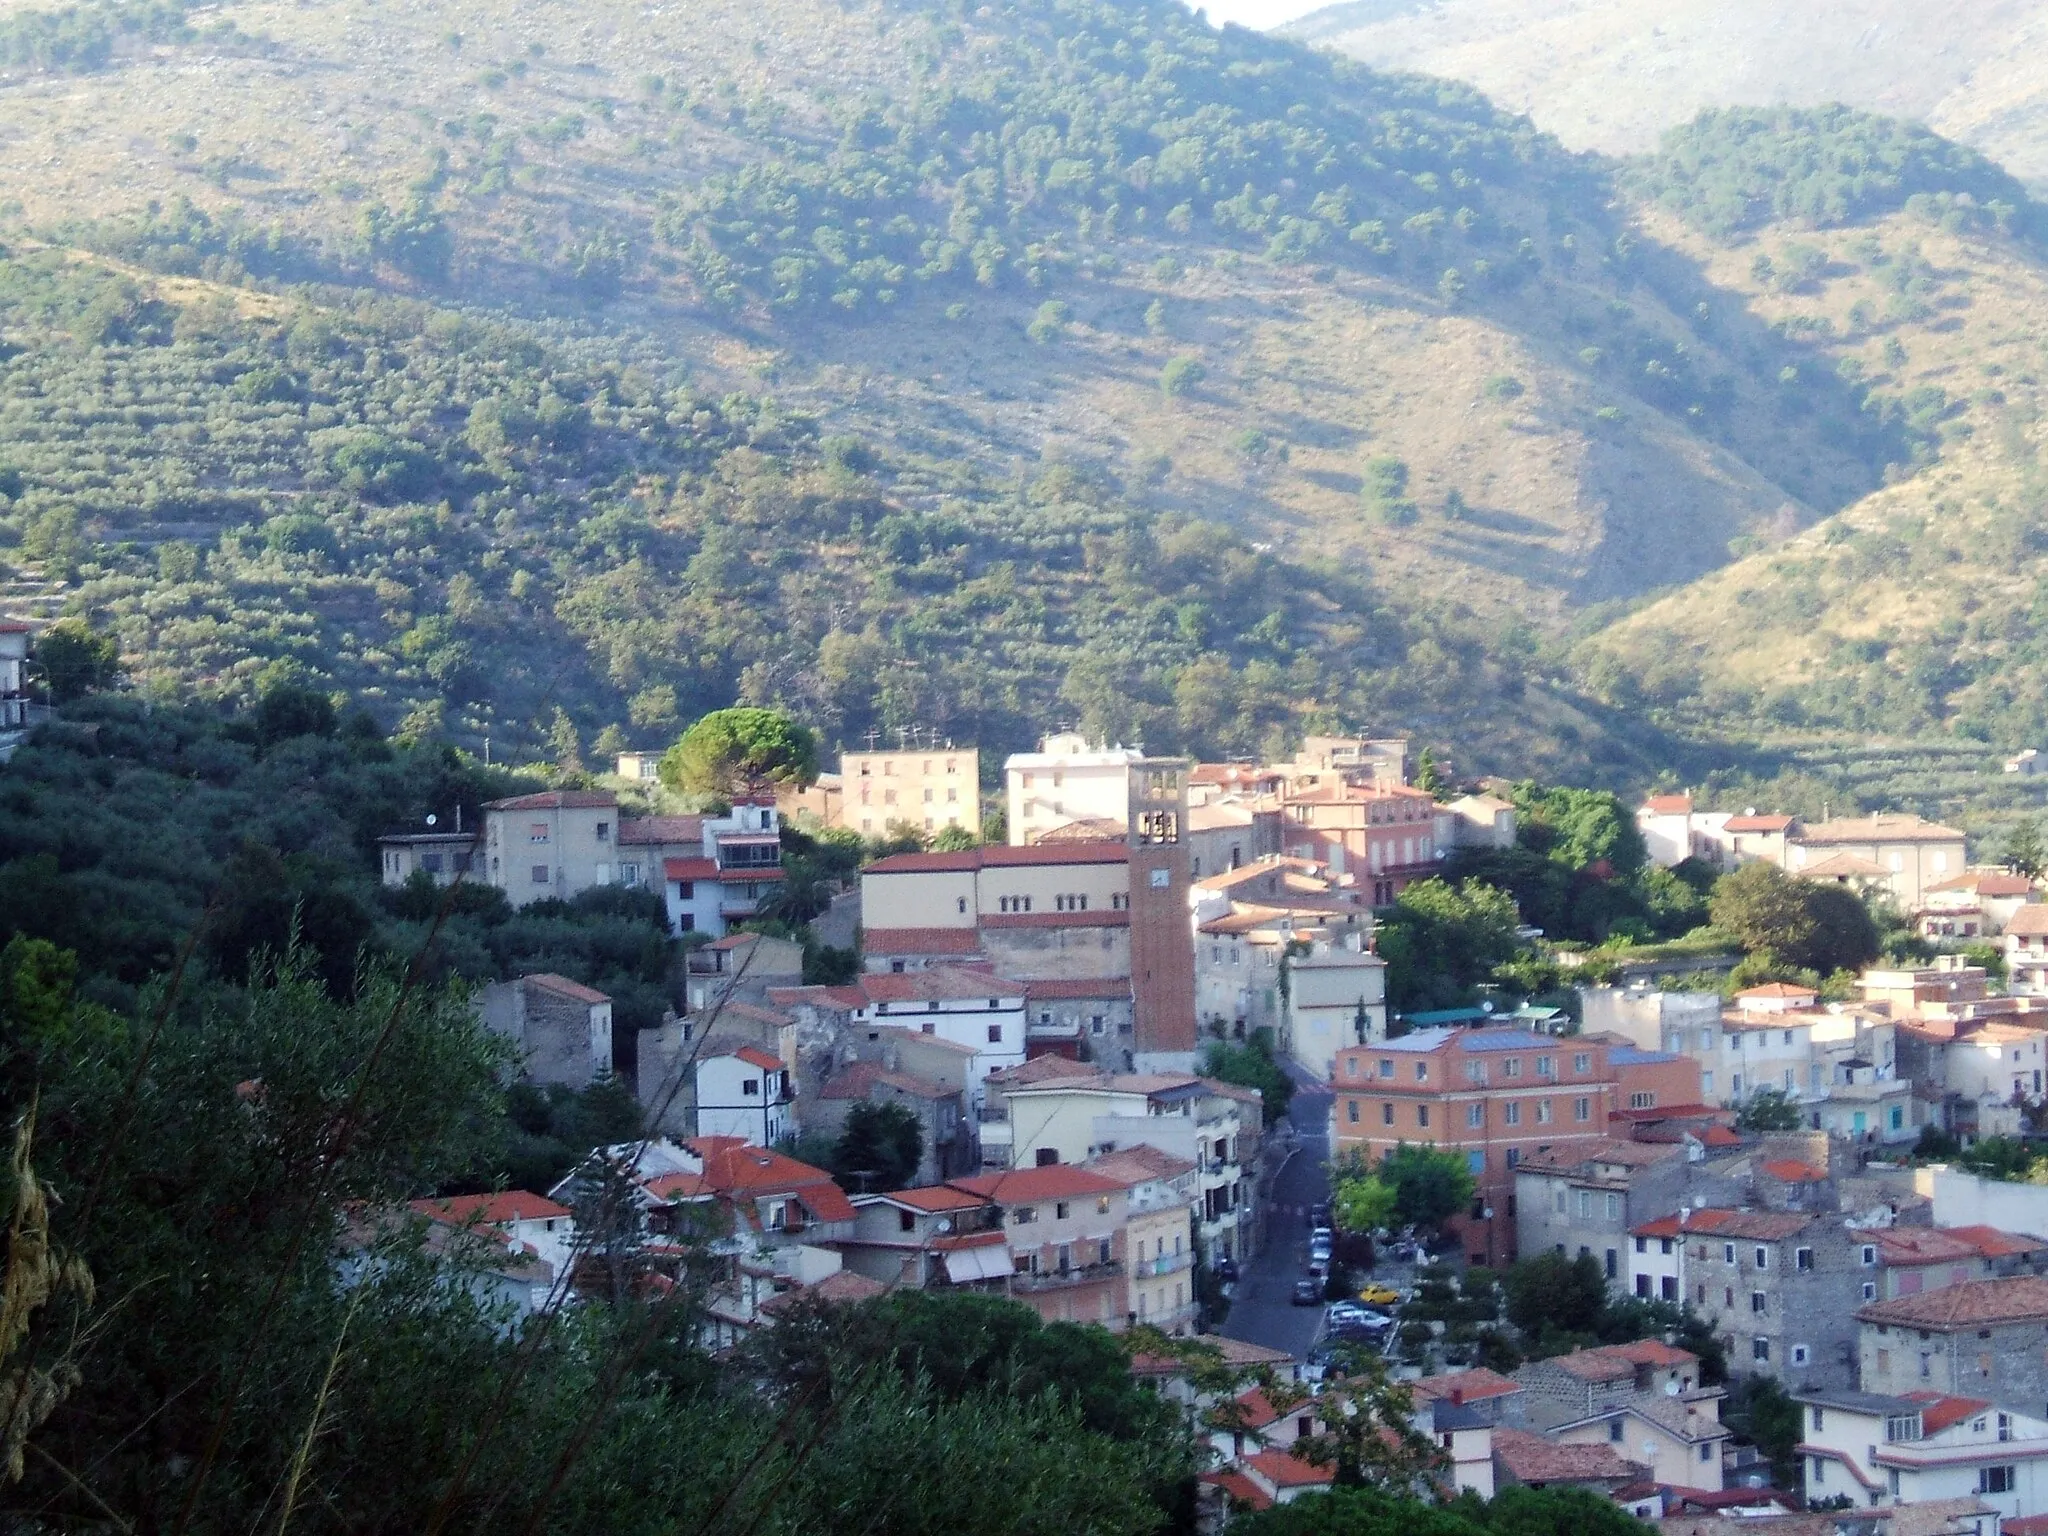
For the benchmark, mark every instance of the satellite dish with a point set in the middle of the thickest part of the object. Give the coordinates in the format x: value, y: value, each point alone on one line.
x: 432, y: 820
x: 945, y: 1223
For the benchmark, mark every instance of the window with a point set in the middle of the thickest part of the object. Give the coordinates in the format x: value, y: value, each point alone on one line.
x: 1512, y: 1067
x: 995, y: 1034
x: 1642, y: 1101
x: 1023, y: 1215
x: 1475, y: 1115
x: 1514, y: 1161
x: 1582, y: 1109
x: 1386, y: 1067
x: 1870, y: 1290
x: 1422, y: 1071
x: 540, y: 874
x: 1585, y: 1205
x: 1475, y: 1071
x: 1996, y: 1479
x: 1351, y: 1111
x: 1612, y: 1264
x: 1582, y: 1062
x: 1819, y: 1473
x: 1869, y: 1254
x: 1546, y: 1066
x: 1511, y: 1112
x: 1386, y: 1114
x: 1763, y: 1258
x: 1820, y: 1415
x: 1802, y: 1258
x: 1059, y: 1211
x: 1758, y: 1302
x: 1642, y: 1245
x: 1614, y: 1207
x: 1643, y: 1286
x: 604, y: 831
x: 1760, y: 1349
x: 1615, y: 1430
x: 537, y: 833
x: 1667, y: 1287
x: 1801, y: 1354
x: 1543, y: 1111
x: 1422, y: 1114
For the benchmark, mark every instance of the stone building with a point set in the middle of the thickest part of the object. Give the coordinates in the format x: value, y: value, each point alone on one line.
x: 1982, y: 1339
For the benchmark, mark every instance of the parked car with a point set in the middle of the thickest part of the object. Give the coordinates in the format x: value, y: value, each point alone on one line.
x: 1377, y: 1294
x: 1319, y: 1214
x: 1319, y: 1246
x: 1307, y: 1292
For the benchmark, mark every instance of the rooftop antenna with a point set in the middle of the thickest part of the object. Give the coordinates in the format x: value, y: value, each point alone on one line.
x: 873, y: 736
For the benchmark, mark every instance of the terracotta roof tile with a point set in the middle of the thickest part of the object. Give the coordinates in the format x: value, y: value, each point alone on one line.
x: 1970, y: 1304
x: 1882, y: 828
x: 920, y: 941
x: 562, y: 986
x: 1532, y: 1459
x: 931, y: 1198
x: 861, y: 1078
x: 1668, y: 805
x: 1139, y: 1165
x: 653, y: 831
x: 1242, y: 1490
x: 1471, y: 1386
x: 491, y: 1210
x: 1285, y: 1471
x: 558, y: 800
x: 1993, y: 1243
x: 1051, y: 1182
x: 1938, y: 1412
x: 2030, y: 922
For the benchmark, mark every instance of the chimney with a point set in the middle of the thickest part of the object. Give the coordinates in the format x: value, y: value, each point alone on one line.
x: 1457, y: 1397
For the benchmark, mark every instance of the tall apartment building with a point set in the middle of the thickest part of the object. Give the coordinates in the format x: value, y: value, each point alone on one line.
x: 1384, y: 835
x: 1495, y: 1095
x: 1067, y: 783
x: 927, y: 791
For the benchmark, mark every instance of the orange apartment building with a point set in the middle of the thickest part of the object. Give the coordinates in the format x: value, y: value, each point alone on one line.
x: 1496, y: 1095
x: 1385, y: 835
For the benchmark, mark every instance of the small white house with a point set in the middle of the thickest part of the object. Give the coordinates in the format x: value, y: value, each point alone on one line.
x: 1882, y: 1450
x: 744, y: 1092
x: 737, y: 868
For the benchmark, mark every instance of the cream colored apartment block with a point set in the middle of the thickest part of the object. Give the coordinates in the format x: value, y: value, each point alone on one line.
x: 928, y: 791
x: 1066, y: 780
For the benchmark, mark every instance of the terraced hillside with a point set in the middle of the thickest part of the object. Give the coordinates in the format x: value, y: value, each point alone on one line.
x: 909, y: 362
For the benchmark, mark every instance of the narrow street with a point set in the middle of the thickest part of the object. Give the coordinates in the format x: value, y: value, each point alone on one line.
x: 1263, y: 1311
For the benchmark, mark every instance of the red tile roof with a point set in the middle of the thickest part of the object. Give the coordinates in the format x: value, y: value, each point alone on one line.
x: 1475, y: 1385
x: 1938, y: 1412
x: 1779, y: 989
x: 1789, y: 1170
x: 1243, y: 1490
x: 1992, y: 1243
x: 1040, y: 1069
x: 655, y: 830
x: 1285, y: 1471
x: 844, y: 1287
x: 754, y: 1056
x: 732, y: 1167
x: 920, y: 941
x: 1920, y: 1245
x: 708, y: 869
x: 999, y: 857
x: 933, y: 1198
x: 1755, y: 1226
x: 1533, y: 1459
x: 2029, y: 922
x: 1614, y: 1362
x: 1083, y: 988
x: 936, y: 984
x: 562, y: 986
x: 1052, y: 1182
x: 1971, y: 1304
x: 491, y: 1210
x: 1668, y: 805
x: 557, y: 800
x: 1139, y: 1165
x: 1757, y: 823
x: 861, y: 1078
x: 677, y: 1186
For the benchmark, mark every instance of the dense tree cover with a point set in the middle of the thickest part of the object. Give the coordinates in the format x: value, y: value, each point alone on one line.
x: 1251, y: 1065
x: 472, y: 525
x: 1430, y: 1185
x: 1811, y: 925
x: 129, y: 830
x: 1050, y: 128
x: 78, y: 38
x: 1559, y: 1304
x: 241, y: 1359
x: 1770, y: 1109
x: 1733, y: 168
x: 733, y: 753
x: 1439, y: 940
x: 878, y: 1149
x: 1514, y: 1512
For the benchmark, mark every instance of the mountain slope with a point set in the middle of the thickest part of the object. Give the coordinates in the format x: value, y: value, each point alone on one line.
x: 1119, y: 370
x: 1613, y: 77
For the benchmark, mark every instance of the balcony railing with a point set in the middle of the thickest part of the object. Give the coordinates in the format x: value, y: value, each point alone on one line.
x: 1166, y: 1264
x: 1053, y: 1279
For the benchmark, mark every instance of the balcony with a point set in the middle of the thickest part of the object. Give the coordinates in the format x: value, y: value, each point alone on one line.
x: 1166, y: 1264
x: 1025, y: 1283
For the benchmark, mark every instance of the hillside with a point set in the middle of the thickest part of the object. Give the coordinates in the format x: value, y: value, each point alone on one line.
x: 908, y: 365
x: 1613, y: 77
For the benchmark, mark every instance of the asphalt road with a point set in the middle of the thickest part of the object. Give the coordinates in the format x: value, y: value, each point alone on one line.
x: 1262, y: 1311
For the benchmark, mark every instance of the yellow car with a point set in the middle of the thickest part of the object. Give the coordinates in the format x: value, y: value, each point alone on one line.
x: 1377, y: 1295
